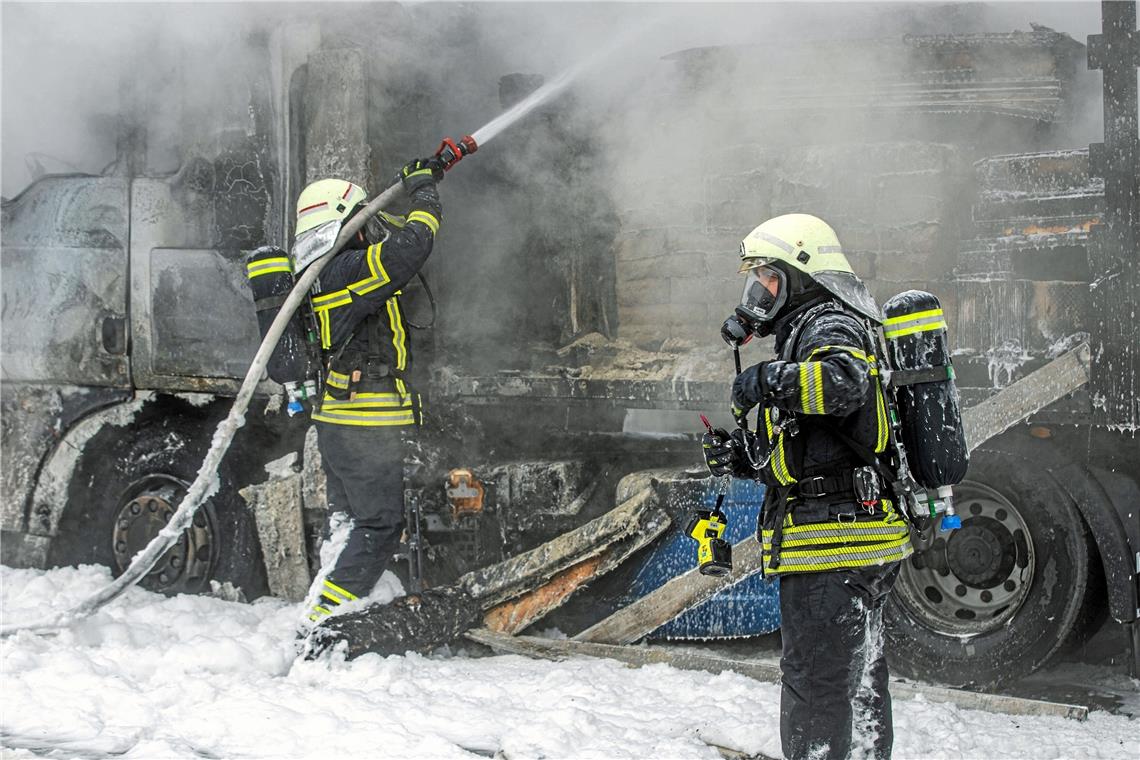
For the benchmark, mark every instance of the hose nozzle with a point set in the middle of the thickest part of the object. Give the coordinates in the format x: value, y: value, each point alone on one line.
x: 451, y: 152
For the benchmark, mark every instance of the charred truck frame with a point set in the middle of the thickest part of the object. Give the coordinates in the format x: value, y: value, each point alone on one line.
x: 115, y: 374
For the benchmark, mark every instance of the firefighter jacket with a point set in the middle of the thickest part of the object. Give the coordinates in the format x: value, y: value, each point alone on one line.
x: 364, y: 336
x: 823, y: 398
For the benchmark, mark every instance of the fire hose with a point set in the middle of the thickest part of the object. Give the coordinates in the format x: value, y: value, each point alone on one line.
x: 206, y: 481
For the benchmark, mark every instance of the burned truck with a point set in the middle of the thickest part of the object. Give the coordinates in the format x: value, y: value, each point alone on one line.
x: 571, y: 349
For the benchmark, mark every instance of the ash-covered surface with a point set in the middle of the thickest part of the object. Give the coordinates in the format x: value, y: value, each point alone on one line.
x: 595, y: 357
x: 419, y: 623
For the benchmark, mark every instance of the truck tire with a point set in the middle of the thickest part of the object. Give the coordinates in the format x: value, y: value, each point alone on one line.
x: 127, y: 484
x: 1004, y: 593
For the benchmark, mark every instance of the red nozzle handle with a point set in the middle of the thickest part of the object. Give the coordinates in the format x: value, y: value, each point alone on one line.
x: 708, y: 425
x: 450, y: 152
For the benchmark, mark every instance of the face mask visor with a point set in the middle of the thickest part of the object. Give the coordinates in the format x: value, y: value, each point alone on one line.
x: 765, y: 293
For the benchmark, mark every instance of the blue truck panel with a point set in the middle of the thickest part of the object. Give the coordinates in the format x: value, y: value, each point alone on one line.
x: 749, y: 608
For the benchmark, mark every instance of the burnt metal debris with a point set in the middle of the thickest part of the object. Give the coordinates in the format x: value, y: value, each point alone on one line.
x: 535, y: 581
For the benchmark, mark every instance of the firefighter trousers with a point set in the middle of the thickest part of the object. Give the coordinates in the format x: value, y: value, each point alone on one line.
x: 364, y: 470
x: 834, y: 696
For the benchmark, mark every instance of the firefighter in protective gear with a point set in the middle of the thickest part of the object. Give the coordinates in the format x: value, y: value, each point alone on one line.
x: 369, y: 402
x: 830, y: 528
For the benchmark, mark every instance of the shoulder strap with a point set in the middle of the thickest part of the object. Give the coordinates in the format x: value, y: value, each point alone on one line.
x: 792, y: 343
x: 866, y: 455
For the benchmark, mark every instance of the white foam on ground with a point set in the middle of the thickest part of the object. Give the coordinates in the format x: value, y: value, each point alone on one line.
x: 156, y: 677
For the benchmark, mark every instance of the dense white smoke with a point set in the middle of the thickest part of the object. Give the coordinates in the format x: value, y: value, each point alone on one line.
x: 71, y: 70
x: 626, y: 147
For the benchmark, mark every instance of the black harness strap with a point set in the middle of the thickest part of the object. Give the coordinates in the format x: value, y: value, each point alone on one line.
x: 778, y: 528
x: 936, y: 374
x: 270, y: 302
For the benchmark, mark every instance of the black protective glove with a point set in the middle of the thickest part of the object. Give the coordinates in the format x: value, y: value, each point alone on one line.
x: 721, y: 455
x: 725, y: 453
x: 420, y: 172
x: 748, y: 390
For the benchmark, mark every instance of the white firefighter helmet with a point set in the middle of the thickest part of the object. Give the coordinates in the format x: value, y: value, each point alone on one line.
x: 326, y: 200
x: 322, y: 208
x: 808, y: 244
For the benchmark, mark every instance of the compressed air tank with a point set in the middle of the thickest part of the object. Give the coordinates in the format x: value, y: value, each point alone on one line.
x: 922, y: 376
x: 271, y: 279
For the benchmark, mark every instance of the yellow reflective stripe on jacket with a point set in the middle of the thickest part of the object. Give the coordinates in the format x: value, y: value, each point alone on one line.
x: 827, y: 536
x: 375, y: 265
x: 326, y: 330
x: 332, y: 300
x: 882, y: 427
x: 399, y: 335
x: 908, y: 324
x: 362, y: 401
x: 368, y: 418
x: 368, y: 409
x: 326, y: 302
x: 778, y: 463
x: 267, y: 266
x: 337, y: 380
x: 377, y: 278
x: 425, y: 218
x: 860, y: 355
x: 816, y: 560
x: 811, y: 387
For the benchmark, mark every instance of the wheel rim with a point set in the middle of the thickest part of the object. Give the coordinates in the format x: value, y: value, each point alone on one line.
x: 976, y: 580
x: 144, y: 510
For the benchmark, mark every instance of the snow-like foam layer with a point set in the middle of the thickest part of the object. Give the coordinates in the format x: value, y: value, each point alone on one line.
x: 149, y: 676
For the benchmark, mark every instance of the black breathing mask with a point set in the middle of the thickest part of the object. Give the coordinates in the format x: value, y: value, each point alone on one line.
x: 736, y: 330
x: 758, y: 307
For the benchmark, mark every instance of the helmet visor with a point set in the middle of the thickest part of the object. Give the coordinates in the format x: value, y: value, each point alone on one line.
x: 765, y: 292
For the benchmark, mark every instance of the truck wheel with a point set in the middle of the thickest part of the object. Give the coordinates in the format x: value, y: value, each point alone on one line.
x: 126, y: 486
x: 998, y: 597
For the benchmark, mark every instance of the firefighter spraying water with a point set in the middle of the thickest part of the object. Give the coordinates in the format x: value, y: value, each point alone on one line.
x: 311, y: 254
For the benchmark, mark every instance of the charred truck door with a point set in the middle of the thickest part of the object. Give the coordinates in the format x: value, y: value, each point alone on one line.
x: 65, y: 283
x: 65, y: 334
x: 192, y: 318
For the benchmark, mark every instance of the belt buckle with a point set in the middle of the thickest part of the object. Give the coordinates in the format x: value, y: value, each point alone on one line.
x: 839, y: 517
x: 815, y: 493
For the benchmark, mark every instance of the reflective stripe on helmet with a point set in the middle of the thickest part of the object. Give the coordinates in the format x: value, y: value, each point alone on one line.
x: 327, y: 200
